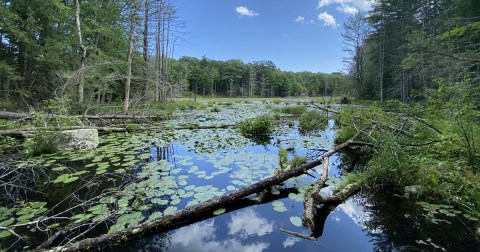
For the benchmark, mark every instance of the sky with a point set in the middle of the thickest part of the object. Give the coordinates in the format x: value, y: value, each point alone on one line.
x: 296, y: 35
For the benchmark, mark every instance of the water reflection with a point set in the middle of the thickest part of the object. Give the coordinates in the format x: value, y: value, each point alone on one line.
x: 201, y: 237
x: 290, y: 241
x: 247, y: 222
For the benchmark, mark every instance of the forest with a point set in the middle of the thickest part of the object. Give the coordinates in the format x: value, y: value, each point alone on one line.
x: 183, y: 144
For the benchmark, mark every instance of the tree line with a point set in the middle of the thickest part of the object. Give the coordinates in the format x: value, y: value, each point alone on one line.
x: 98, y: 51
x: 401, y: 49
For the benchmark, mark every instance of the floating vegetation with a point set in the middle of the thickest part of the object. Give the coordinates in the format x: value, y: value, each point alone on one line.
x: 296, y: 221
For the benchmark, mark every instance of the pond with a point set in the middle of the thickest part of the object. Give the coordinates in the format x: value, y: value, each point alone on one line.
x: 198, y: 155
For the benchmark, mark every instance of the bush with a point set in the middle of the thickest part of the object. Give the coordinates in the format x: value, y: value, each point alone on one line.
x: 216, y: 109
x: 257, y: 127
x: 294, y: 110
x: 312, y: 121
x: 297, y: 161
x: 42, y: 143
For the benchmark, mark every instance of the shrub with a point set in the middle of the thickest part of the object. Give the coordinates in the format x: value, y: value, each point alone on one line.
x: 297, y: 161
x: 312, y: 121
x: 42, y: 143
x: 257, y: 127
x: 277, y: 101
x: 216, y: 109
x: 294, y: 110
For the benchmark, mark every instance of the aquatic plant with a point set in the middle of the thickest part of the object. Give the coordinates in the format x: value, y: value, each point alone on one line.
x: 42, y: 143
x: 294, y: 110
x: 312, y: 121
x: 260, y: 126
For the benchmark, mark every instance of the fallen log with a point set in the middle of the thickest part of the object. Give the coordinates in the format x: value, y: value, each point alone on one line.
x: 183, y: 216
x: 13, y: 115
x: 324, y: 109
x: 26, y: 133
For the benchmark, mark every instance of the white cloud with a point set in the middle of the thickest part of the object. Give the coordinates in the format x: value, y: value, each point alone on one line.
x: 347, y: 6
x: 347, y: 9
x: 201, y: 237
x: 328, y: 20
x: 247, y: 222
x: 290, y: 241
x: 244, y: 11
x: 300, y: 19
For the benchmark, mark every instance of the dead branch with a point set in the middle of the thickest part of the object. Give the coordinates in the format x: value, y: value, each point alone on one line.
x: 323, y: 108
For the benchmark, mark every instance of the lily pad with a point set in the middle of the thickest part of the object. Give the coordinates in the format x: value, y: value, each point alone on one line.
x: 219, y: 211
x: 296, y: 221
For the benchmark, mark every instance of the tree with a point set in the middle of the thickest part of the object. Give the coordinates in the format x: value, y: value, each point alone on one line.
x: 83, y: 53
x: 128, y: 79
x: 356, y: 31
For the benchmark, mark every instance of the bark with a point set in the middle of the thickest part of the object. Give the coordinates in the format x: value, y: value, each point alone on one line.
x: 145, y: 53
x: 83, y: 53
x: 129, y: 56
x: 182, y: 217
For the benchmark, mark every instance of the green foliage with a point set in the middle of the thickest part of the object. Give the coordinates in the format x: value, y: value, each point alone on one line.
x: 257, y: 127
x: 312, y: 121
x: 42, y: 143
x: 216, y: 109
x: 294, y: 110
x: 297, y: 161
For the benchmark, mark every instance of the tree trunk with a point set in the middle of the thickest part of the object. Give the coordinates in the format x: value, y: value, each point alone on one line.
x: 145, y: 54
x: 83, y: 53
x: 129, y: 56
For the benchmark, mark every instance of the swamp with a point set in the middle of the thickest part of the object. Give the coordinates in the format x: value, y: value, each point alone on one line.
x: 213, y: 125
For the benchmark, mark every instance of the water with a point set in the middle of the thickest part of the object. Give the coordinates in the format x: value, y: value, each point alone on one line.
x: 165, y: 170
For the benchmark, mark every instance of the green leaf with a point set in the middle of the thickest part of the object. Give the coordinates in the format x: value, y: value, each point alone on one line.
x: 4, y: 234
x: 219, y: 211
x: 170, y: 210
x: 295, y: 220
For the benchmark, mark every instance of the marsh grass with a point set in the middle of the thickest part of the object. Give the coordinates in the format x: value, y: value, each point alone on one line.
x: 259, y: 129
x: 42, y: 143
x: 312, y: 121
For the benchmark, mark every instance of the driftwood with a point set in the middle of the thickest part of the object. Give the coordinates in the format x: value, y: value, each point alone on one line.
x: 184, y: 216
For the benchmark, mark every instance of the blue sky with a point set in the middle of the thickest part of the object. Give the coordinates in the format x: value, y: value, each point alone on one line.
x: 296, y: 35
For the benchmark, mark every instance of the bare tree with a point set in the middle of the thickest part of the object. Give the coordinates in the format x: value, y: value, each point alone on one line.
x: 356, y: 31
x: 128, y: 80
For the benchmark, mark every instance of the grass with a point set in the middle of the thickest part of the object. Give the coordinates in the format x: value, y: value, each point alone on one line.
x: 312, y: 121
x: 292, y: 110
x: 257, y: 127
x: 42, y: 143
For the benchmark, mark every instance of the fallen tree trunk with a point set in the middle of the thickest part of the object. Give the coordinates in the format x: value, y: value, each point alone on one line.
x: 26, y: 133
x: 181, y: 217
x: 324, y: 109
x: 12, y: 115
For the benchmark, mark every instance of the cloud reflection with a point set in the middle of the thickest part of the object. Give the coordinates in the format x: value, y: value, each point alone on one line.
x: 247, y: 222
x: 290, y: 241
x: 353, y: 211
x: 201, y: 237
